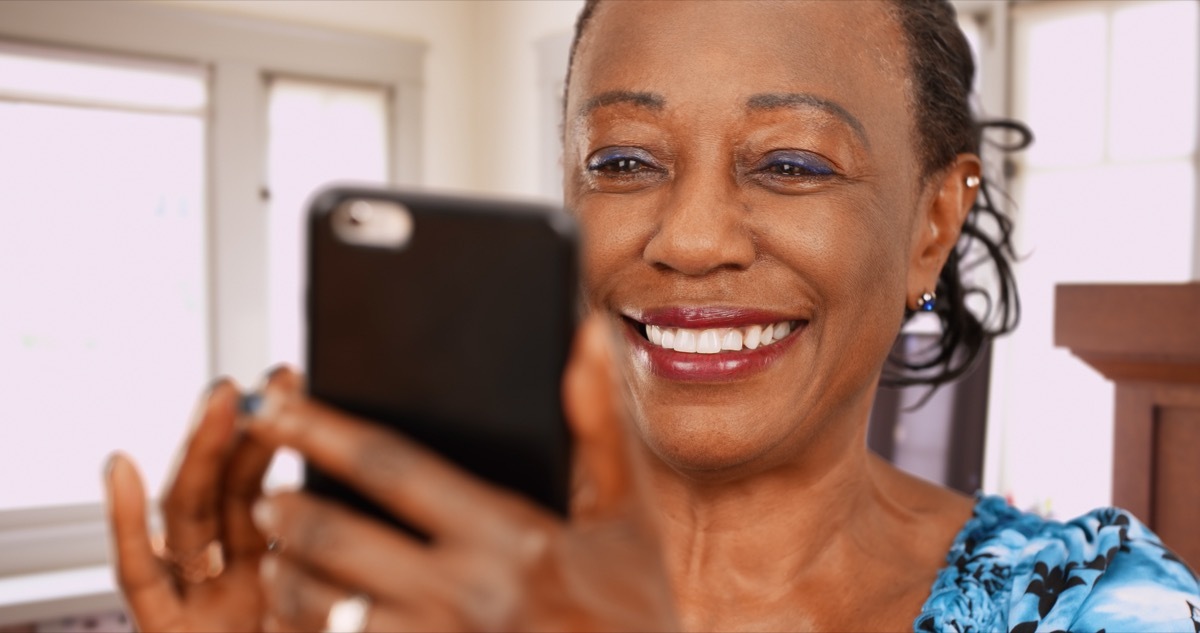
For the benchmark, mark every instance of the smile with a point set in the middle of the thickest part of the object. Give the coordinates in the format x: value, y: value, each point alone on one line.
x: 710, y: 344
x: 717, y: 340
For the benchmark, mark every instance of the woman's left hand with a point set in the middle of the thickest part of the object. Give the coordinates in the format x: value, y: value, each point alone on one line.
x: 495, y: 561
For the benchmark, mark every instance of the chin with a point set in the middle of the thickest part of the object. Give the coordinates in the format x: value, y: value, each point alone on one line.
x: 704, y: 443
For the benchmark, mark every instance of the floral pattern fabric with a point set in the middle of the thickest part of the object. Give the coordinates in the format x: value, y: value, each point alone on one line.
x: 1017, y: 572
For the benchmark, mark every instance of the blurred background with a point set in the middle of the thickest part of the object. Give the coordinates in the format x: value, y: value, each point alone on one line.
x: 155, y: 157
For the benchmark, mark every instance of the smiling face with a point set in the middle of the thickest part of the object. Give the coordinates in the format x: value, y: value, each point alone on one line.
x: 751, y: 198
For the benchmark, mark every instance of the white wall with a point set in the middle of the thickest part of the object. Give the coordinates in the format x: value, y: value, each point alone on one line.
x: 509, y: 115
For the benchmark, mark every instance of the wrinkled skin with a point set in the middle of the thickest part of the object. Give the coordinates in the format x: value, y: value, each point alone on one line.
x: 775, y: 516
x: 748, y: 154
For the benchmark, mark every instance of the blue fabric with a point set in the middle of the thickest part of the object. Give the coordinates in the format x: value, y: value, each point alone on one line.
x: 1104, y: 571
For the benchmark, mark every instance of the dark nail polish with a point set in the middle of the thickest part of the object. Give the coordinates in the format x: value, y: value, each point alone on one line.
x: 251, y: 403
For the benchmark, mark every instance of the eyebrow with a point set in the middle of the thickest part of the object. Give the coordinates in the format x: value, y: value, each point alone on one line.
x: 648, y: 100
x: 775, y: 101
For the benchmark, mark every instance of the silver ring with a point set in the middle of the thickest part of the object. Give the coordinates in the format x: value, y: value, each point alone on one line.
x: 348, y: 615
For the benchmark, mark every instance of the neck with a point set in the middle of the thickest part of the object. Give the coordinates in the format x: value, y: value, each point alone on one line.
x: 771, y: 542
x: 722, y: 524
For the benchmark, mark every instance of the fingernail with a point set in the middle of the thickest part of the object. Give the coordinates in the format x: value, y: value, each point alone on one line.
x: 251, y: 403
x: 267, y: 567
x: 214, y: 385
x: 262, y: 405
x: 264, y: 515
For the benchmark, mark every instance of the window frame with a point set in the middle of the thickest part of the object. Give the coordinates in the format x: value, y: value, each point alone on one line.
x: 65, y: 548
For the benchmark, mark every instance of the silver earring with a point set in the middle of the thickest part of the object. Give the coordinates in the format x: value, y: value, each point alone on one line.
x: 973, y: 181
x: 927, y: 301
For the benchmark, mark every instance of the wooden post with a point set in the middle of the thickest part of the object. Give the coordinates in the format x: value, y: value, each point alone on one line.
x: 1146, y: 339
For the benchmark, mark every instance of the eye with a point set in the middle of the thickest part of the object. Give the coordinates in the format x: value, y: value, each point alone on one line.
x: 795, y: 164
x: 619, y: 165
x: 621, y: 161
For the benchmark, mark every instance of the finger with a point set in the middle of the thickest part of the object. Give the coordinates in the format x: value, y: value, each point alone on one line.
x: 247, y: 467
x: 248, y: 463
x: 148, y: 589
x: 349, y: 548
x: 605, y: 467
x: 191, y: 510
x: 410, y: 481
x: 299, y: 600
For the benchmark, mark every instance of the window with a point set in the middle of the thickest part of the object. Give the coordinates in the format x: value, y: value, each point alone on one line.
x: 102, y: 265
x: 114, y: 160
x: 1107, y: 193
x: 318, y: 133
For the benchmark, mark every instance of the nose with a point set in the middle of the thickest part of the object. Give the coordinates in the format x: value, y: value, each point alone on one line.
x: 701, y: 229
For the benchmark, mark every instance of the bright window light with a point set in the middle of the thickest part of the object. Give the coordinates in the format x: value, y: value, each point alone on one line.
x: 1154, y: 72
x: 1107, y: 194
x: 103, y: 334
x: 1064, y: 88
x: 318, y: 133
x: 42, y: 74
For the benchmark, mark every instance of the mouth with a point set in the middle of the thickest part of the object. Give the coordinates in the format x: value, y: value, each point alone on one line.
x: 710, y: 344
x: 717, y: 340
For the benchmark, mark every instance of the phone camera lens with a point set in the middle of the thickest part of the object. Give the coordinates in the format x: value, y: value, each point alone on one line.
x: 360, y: 212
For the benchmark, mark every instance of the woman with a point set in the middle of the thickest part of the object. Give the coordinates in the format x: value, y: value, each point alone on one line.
x: 766, y: 190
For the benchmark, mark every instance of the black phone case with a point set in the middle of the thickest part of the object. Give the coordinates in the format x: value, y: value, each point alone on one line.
x: 458, y: 340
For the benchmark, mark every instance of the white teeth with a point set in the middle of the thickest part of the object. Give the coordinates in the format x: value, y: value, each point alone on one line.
x: 732, y: 340
x: 685, y: 341
x: 716, y: 340
x: 709, y: 342
x: 753, y: 336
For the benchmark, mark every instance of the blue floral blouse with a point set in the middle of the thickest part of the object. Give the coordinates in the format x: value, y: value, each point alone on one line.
x: 1012, y: 571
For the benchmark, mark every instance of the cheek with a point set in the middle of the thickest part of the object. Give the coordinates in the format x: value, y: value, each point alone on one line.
x: 613, y: 234
x: 848, y: 250
x: 848, y: 256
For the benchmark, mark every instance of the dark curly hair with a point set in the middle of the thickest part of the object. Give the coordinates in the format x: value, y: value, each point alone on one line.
x: 943, y: 71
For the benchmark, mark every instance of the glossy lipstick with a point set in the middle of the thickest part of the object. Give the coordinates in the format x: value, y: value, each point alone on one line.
x: 721, y: 366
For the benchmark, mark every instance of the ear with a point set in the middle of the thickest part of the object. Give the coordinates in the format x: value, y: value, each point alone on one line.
x: 944, y: 207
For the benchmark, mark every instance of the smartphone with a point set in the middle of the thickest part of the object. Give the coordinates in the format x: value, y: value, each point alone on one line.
x: 449, y: 320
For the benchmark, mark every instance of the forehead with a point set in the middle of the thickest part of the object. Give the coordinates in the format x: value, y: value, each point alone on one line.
x: 720, y: 52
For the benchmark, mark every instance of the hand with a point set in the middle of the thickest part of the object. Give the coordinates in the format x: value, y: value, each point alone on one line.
x: 206, y: 576
x: 495, y: 560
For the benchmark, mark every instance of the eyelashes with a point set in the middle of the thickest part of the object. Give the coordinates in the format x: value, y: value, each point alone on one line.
x: 779, y: 166
x: 795, y: 163
x: 629, y: 169
x: 621, y: 161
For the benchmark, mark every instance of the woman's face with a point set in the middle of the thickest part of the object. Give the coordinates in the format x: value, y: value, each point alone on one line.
x: 740, y: 167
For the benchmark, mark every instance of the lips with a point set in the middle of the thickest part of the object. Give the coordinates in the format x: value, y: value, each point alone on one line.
x: 710, y: 344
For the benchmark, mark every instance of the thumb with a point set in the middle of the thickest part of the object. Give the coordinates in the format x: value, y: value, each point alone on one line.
x: 148, y: 589
x: 607, y: 477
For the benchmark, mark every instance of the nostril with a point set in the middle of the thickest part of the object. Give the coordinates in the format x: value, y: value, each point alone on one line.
x: 697, y: 244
